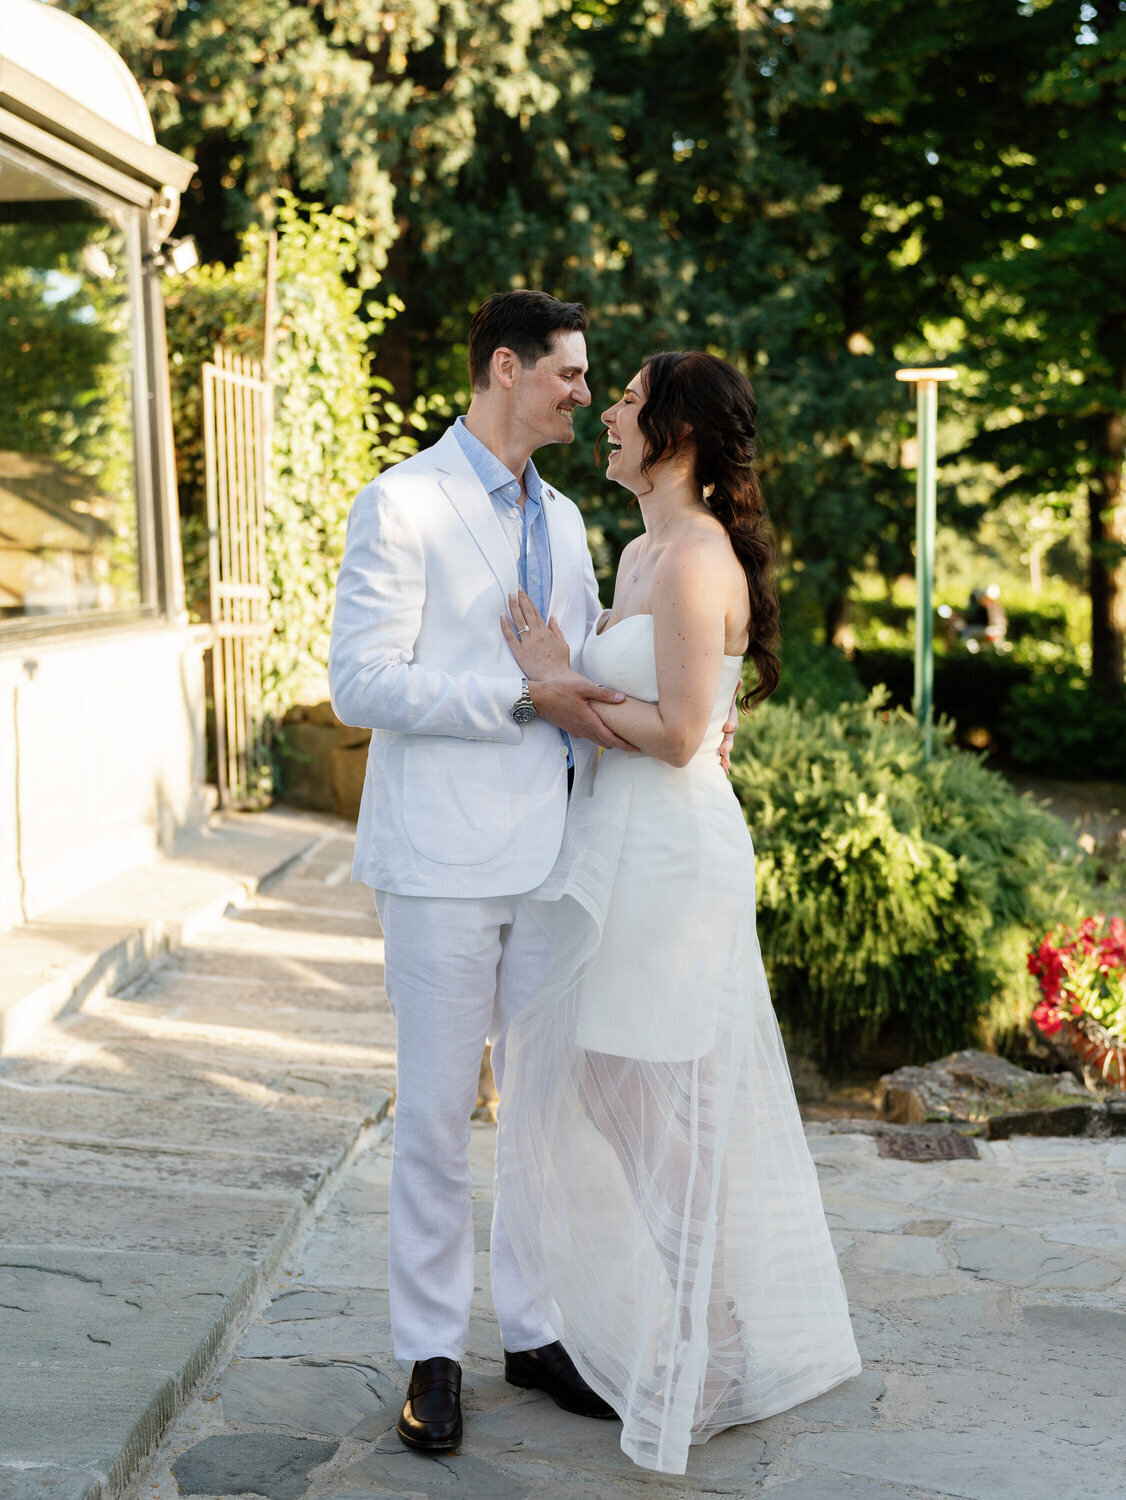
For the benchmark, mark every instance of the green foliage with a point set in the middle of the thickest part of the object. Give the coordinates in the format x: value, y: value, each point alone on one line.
x: 819, y: 191
x: 1059, y: 724
x: 969, y: 691
x: 815, y: 674
x: 334, y: 427
x: 896, y: 898
x: 1049, y: 628
x: 66, y: 350
x: 992, y: 182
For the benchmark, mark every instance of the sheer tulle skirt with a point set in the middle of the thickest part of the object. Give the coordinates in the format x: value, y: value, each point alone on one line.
x: 666, y: 1211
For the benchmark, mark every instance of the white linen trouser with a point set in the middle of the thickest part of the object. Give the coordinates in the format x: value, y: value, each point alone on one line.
x: 457, y: 971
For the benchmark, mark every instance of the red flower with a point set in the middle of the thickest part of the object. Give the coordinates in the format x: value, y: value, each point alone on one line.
x: 1087, y: 962
x: 1047, y: 1018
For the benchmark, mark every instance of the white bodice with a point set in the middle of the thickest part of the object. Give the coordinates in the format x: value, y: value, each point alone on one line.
x: 622, y: 656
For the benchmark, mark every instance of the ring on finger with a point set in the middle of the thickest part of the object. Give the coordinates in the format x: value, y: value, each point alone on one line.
x: 521, y: 629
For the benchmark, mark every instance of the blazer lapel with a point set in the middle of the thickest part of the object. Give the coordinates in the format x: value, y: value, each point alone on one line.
x: 562, y: 562
x: 469, y: 498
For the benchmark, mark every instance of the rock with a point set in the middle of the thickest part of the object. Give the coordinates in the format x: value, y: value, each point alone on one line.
x: 349, y: 771
x: 304, y: 756
x: 250, y: 1464
x: 974, y: 1087
x: 321, y: 713
x: 911, y: 1095
x: 985, y: 1072
x: 1066, y: 1119
x: 809, y: 1086
x: 321, y: 761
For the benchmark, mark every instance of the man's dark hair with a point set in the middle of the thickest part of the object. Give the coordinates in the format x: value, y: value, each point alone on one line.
x: 525, y: 322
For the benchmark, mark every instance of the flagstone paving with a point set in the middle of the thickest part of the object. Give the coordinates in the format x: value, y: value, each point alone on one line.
x: 163, y: 1149
x: 193, y: 1213
x: 986, y: 1297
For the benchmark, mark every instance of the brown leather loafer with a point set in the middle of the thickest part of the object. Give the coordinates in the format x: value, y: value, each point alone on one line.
x: 551, y: 1369
x: 431, y: 1415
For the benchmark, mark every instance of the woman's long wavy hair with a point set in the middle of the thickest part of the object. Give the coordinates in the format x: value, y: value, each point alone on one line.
x: 692, y: 390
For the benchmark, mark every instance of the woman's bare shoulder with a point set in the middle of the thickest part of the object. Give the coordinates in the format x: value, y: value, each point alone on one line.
x: 701, y: 546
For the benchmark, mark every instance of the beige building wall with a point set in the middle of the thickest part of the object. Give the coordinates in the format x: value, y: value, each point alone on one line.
x: 102, y: 758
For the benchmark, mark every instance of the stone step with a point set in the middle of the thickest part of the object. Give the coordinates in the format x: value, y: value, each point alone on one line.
x: 104, y: 939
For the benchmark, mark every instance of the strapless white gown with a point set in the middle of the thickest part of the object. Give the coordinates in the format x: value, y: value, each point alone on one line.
x: 662, y: 1201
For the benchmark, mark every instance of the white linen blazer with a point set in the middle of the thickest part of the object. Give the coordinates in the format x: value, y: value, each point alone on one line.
x: 458, y: 800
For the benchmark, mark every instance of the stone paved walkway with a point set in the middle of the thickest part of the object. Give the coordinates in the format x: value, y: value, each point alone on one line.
x: 160, y: 1153
x: 203, y: 1159
x: 986, y: 1297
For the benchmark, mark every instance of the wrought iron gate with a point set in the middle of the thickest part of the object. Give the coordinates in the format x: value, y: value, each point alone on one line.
x: 236, y: 440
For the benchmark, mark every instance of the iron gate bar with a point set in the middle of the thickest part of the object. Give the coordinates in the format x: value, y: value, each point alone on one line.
x: 236, y: 418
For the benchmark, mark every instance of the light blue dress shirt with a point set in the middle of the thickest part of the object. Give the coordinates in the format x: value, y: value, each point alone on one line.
x: 524, y: 526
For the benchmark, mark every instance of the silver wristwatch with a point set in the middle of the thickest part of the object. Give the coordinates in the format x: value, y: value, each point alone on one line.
x: 523, y: 711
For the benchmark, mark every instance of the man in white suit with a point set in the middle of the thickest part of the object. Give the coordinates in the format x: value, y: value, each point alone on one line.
x: 463, y: 808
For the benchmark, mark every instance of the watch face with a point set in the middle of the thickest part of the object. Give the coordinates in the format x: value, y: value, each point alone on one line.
x: 524, y: 713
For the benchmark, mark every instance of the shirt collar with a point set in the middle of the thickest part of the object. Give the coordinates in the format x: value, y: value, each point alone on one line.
x: 488, y: 467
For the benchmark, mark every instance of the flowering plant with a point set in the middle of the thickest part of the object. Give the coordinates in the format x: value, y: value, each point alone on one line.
x: 1082, y: 979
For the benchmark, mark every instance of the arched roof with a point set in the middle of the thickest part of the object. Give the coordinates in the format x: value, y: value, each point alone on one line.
x: 65, y: 52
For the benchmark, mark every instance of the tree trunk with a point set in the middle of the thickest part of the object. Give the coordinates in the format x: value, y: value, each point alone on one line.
x: 1107, y: 529
x: 838, y: 623
x: 393, y: 361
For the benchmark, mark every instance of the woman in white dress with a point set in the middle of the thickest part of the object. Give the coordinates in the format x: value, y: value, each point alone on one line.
x: 670, y: 1221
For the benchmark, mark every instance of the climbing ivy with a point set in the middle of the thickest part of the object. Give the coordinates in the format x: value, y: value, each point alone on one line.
x: 335, y: 425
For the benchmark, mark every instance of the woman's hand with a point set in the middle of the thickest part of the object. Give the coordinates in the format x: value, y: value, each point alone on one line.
x: 540, y: 649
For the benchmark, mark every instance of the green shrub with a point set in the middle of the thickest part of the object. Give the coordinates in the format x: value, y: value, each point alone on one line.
x: 1059, y: 725
x: 1046, y: 719
x: 334, y: 426
x: 812, y: 673
x: 1044, y: 629
x: 897, y: 899
x: 973, y: 691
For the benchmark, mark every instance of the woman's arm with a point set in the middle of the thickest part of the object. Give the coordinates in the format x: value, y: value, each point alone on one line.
x: 689, y: 597
x: 689, y: 607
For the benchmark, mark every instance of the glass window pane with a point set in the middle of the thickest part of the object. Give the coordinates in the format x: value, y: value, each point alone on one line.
x: 69, y: 542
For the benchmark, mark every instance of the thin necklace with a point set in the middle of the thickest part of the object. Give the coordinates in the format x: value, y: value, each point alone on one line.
x: 649, y: 540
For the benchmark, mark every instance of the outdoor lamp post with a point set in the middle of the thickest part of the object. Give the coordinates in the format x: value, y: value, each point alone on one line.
x: 926, y: 388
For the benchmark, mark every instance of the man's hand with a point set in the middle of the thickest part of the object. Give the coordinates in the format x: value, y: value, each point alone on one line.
x: 566, y: 701
x: 727, y: 742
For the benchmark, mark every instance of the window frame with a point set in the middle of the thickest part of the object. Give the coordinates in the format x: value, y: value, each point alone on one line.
x: 129, y: 203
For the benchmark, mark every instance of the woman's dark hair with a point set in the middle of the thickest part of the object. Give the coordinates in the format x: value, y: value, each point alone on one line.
x: 525, y: 322
x: 690, y: 389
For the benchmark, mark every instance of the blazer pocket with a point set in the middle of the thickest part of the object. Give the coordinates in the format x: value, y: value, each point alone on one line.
x: 456, y: 805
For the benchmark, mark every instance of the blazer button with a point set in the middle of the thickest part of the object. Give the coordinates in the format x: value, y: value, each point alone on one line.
x: 562, y: 752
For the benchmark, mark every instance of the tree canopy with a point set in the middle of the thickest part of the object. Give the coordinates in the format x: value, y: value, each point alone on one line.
x: 818, y: 190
